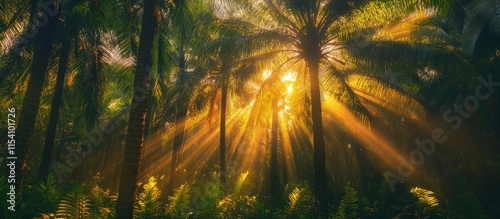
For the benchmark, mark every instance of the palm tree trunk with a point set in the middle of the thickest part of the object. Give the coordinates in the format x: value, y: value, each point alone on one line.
x: 135, y: 131
x: 274, y: 151
x: 54, y: 112
x: 149, y: 116
x: 31, y: 101
x: 320, y: 179
x: 222, y: 141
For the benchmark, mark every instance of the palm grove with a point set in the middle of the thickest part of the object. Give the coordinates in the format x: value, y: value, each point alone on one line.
x: 252, y: 109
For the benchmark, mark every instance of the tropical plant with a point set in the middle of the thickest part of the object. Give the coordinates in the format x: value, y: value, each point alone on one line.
x: 148, y: 202
x: 299, y: 203
x: 180, y: 202
x: 308, y: 32
x: 45, y: 196
x: 348, y: 207
x: 74, y: 205
x: 31, y: 103
x: 135, y: 129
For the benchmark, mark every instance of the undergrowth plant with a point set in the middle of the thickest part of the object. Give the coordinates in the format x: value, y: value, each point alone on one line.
x: 75, y: 205
x: 209, y: 198
x: 148, y: 204
x: 348, y: 207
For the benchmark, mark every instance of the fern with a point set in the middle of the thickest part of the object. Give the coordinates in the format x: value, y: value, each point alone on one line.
x: 239, y: 183
x: 44, y: 197
x: 205, y: 199
x: 425, y: 196
x: 300, y: 204
x: 467, y: 206
x: 179, y: 203
x: 348, y: 207
x: 242, y: 206
x: 102, y: 203
x: 75, y: 205
x: 148, y: 202
x: 238, y: 205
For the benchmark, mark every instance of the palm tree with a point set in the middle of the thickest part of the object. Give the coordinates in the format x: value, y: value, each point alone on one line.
x: 185, y: 95
x: 316, y: 31
x: 88, y: 62
x: 135, y: 131
x: 54, y: 111
x: 182, y: 106
x: 229, y: 70
x: 305, y: 27
x: 31, y: 102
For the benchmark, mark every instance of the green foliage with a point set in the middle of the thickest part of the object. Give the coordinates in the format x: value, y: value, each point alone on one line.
x: 75, y: 205
x: 425, y: 196
x: 348, y: 207
x: 102, y: 202
x: 242, y: 206
x: 45, y: 196
x: 300, y: 203
x: 23, y: 212
x: 238, y: 205
x: 148, y: 203
x: 205, y: 199
x: 466, y: 206
x: 179, y: 203
x: 402, y: 203
x: 239, y: 183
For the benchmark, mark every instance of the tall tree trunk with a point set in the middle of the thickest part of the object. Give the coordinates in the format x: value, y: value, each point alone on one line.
x: 149, y: 116
x: 135, y: 131
x: 320, y: 179
x: 181, y: 119
x: 364, y: 167
x: 284, y: 165
x: 222, y: 139
x: 54, y: 112
x: 178, y: 140
x: 31, y: 101
x: 274, y: 151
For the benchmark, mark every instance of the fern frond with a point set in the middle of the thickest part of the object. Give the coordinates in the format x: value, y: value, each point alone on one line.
x: 180, y: 201
x: 75, y: 205
x: 239, y: 183
x: 348, y: 207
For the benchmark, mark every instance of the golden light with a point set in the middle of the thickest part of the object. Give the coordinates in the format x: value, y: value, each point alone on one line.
x: 289, y: 76
x: 266, y: 73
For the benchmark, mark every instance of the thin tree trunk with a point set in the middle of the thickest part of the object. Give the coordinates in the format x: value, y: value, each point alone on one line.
x: 286, y: 176
x: 222, y: 141
x: 364, y: 167
x: 181, y: 120
x: 135, y: 131
x: 178, y: 140
x: 274, y: 151
x: 54, y: 112
x: 320, y: 179
x: 31, y: 102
